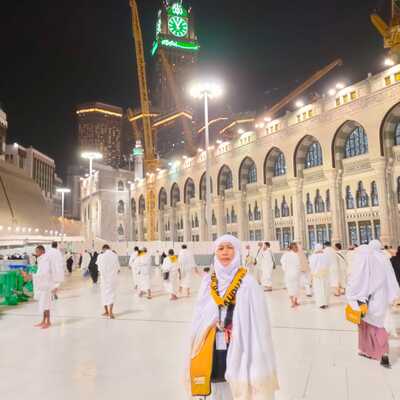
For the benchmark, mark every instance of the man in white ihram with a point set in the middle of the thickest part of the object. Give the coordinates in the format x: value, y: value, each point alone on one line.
x: 265, y: 263
x: 135, y: 276
x: 142, y: 264
x: 57, y: 266
x: 108, y: 267
x: 187, y: 265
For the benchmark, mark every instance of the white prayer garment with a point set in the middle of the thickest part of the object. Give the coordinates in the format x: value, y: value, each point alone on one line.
x: 135, y: 276
x: 349, y: 261
x: 372, y: 280
x: 305, y: 275
x: 142, y: 265
x: 319, y: 264
x: 85, y: 261
x: 171, y: 265
x: 44, y: 283
x: 186, y: 266
x: 342, y: 268
x: 333, y: 267
x: 291, y: 267
x: 265, y: 262
x: 250, y: 364
x: 57, y: 265
x: 108, y: 267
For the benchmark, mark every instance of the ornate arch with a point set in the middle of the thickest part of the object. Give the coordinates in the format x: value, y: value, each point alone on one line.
x: 300, y: 153
x: 247, y: 172
x: 175, y: 194
x: 189, y: 190
x: 390, y: 128
x: 271, y: 168
x: 225, y: 179
x: 162, y: 199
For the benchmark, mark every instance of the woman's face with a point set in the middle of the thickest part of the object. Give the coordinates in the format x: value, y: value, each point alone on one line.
x: 225, y: 253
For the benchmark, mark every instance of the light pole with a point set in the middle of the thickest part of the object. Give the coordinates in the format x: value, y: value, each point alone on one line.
x: 207, y: 91
x: 63, y: 191
x: 91, y: 156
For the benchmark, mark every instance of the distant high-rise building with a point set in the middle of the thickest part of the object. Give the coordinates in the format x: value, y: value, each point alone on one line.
x: 175, y: 35
x: 3, y: 133
x: 100, y: 129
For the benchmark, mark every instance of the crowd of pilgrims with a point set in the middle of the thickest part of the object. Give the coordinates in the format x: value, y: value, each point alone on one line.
x: 231, y: 311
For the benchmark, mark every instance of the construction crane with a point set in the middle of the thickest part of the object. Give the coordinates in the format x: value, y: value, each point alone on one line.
x: 150, y: 159
x: 390, y: 32
x: 301, y: 89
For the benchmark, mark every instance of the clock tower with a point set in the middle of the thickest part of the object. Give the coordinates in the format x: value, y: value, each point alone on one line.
x: 176, y: 36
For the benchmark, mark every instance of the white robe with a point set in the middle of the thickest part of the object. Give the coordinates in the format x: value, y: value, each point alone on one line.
x: 135, y: 276
x: 291, y: 267
x: 342, y: 268
x: 334, y: 276
x: 265, y: 263
x: 172, y: 284
x: 186, y: 266
x: 108, y: 267
x: 85, y: 261
x: 44, y: 283
x: 142, y: 264
x: 57, y: 265
x: 319, y: 265
x: 372, y: 278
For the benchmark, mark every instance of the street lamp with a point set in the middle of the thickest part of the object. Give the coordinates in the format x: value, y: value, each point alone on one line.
x: 63, y: 191
x: 207, y: 90
x: 91, y: 156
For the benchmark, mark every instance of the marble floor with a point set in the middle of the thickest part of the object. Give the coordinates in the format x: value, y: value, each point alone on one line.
x: 141, y: 354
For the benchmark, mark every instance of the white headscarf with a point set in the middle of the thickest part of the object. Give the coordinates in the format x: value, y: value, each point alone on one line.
x: 226, y: 274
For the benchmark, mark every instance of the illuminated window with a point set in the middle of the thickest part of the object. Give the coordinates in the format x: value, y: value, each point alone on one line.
x: 397, y: 135
x: 285, y: 208
x: 349, y: 199
x: 309, y: 204
x: 280, y: 165
x: 319, y: 203
x: 388, y: 80
x: 277, y: 211
x: 374, y: 195
x: 314, y: 156
x: 362, y: 197
x: 345, y: 98
x: 356, y: 143
x: 338, y: 102
x: 397, y: 76
x: 310, y: 113
x: 353, y: 95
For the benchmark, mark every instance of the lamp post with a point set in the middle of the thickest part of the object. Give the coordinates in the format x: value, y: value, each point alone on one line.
x: 91, y: 156
x: 63, y: 191
x: 207, y: 91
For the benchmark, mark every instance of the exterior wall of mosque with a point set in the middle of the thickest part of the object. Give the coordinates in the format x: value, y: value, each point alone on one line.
x: 339, y: 180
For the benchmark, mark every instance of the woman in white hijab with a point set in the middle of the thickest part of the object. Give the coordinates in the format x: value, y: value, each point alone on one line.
x: 232, y: 304
x: 319, y: 264
x: 373, y: 281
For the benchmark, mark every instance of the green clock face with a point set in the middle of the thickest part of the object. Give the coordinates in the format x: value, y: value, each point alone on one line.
x: 178, y: 26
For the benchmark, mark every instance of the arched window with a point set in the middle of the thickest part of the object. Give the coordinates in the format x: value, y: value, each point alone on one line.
x: 257, y: 212
x: 121, y: 186
x: 362, y: 197
x: 175, y: 194
x: 120, y: 230
x: 328, y: 201
x: 285, y: 211
x: 280, y: 165
x: 213, y: 218
x: 121, y: 207
x: 228, y: 217
x: 319, y: 203
x: 314, y: 156
x: 133, y: 207
x: 233, y: 216
x: 252, y: 177
x: 397, y: 135
x: 356, y: 143
x: 309, y: 204
x: 196, y: 221
x: 277, y: 210
x: 225, y: 181
x: 250, y: 214
x: 374, y: 195
x: 349, y: 199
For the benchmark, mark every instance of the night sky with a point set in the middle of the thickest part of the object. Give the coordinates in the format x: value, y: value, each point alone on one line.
x: 55, y: 55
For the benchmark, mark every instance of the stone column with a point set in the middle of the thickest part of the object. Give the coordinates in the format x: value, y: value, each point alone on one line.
x: 140, y: 228
x: 296, y: 186
x: 267, y: 218
x: 203, y: 225
x: 187, y: 227
x: 243, y: 221
x: 220, y: 214
x: 337, y: 212
x: 161, y: 227
x: 379, y: 166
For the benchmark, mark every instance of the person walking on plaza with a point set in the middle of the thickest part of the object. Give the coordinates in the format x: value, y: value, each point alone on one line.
x: 44, y: 285
x: 265, y: 265
x: 305, y: 272
x: 187, y: 265
x: 333, y: 268
x: 142, y: 264
x: 135, y: 277
x: 342, y: 267
x: 319, y: 265
x: 57, y: 266
x: 157, y: 258
x: 108, y: 267
x: 231, y: 354
x: 170, y: 270
x: 291, y: 267
x: 70, y: 263
x: 93, y: 268
x: 374, y: 283
x: 85, y: 261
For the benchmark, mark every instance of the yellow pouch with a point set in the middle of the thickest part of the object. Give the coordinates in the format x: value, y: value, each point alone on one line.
x: 355, y: 316
x: 201, y: 367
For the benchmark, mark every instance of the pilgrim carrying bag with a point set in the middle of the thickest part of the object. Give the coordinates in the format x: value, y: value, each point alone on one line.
x: 355, y: 316
x: 201, y: 367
